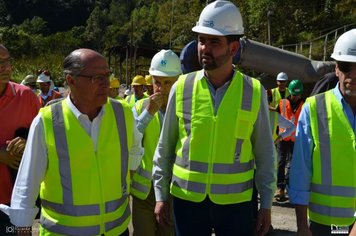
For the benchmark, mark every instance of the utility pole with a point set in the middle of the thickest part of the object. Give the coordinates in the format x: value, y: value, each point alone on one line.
x: 269, y: 14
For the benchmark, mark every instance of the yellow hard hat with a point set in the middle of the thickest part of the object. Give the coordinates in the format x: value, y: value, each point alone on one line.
x: 138, y: 80
x: 148, y: 79
x: 114, y: 83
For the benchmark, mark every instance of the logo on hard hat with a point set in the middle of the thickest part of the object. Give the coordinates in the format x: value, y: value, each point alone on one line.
x: 351, y: 51
x: 208, y: 23
x: 163, y: 62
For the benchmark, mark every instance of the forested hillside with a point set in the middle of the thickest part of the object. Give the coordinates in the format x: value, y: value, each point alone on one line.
x: 39, y: 33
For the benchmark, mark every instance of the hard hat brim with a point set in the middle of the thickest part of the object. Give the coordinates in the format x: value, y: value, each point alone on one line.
x: 207, y: 30
x: 345, y: 58
x: 162, y: 74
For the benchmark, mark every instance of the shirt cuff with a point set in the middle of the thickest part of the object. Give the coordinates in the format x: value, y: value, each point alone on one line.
x: 160, y: 194
x: 22, y: 217
x: 298, y: 197
x: 266, y: 201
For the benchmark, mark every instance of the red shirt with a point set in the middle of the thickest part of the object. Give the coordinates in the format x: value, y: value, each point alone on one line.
x: 18, y: 106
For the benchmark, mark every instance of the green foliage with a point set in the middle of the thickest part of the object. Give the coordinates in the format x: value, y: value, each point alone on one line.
x: 40, y: 33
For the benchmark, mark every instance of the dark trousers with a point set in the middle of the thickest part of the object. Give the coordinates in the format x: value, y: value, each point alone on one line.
x: 285, y: 151
x: 200, y: 218
x: 326, y: 230
x: 6, y: 228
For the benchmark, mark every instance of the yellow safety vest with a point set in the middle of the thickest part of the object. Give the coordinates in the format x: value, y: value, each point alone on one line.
x: 85, y: 192
x: 130, y: 99
x: 333, y: 185
x: 276, y: 96
x: 273, y: 119
x: 214, y: 152
x: 141, y: 181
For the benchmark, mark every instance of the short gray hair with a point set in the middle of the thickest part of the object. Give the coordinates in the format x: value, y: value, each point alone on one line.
x: 73, y: 64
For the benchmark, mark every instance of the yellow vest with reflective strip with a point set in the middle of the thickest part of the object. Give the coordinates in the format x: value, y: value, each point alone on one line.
x: 85, y: 192
x: 333, y: 188
x: 273, y: 118
x: 141, y: 181
x: 214, y: 152
x: 276, y: 96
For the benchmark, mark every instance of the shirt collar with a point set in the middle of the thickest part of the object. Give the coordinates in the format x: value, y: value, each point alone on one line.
x: 338, y: 94
x: 75, y: 110
x: 10, y: 90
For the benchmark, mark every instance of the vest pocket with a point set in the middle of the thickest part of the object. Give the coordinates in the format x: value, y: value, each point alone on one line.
x: 244, y: 125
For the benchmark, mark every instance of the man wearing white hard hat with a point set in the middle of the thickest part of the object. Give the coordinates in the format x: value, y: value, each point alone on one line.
x: 216, y: 140
x: 149, y: 113
x: 279, y: 92
x: 323, y: 172
x: 47, y: 94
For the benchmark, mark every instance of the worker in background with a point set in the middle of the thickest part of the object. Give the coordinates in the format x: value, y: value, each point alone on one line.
x: 137, y: 84
x: 289, y: 108
x: 78, y: 156
x: 30, y: 81
x: 114, y: 88
x: 280, y: 92
x: 210, y: 172
x: 149, y: 114
x: 149, y: 85
x: 323, y: 170
x: 18, y: 106
x: 276, y: 119
x: 47, y: 94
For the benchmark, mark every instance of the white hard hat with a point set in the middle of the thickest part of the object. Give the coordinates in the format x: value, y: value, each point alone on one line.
x: 345, y: 47
x: 165, y: 63
x: 282, y: 76
x: 220, y: 18
x: 42, y: 78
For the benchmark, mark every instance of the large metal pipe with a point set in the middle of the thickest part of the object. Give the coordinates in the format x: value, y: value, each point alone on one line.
x: 271, y: 60
x: 266, y: 59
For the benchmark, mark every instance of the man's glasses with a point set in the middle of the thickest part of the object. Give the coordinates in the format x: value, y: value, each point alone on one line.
x: 95, y: 78
x: 345, y: 67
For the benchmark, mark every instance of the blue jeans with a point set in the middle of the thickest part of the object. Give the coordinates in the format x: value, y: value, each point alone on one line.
x: 200, y: 218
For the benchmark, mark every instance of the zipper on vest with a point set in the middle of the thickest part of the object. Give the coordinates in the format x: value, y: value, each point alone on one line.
x: 210, y: 163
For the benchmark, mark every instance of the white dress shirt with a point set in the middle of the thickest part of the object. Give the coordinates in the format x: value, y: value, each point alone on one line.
x: 34, y: 165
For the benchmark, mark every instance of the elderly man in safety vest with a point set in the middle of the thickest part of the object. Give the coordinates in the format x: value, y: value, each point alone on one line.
x: 149, y: 113
x: 323, y: 169
x: 77, y: 157
x: 216, y: 140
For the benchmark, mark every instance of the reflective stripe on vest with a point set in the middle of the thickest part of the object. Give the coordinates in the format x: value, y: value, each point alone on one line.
x: 330, y: 203
x: 238, y: 166
x: 276, y: 96
x: 83, y: 230
x: 68, y: 208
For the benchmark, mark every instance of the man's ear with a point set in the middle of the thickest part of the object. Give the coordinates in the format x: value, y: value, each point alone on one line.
x: 70, y: 80
x: 234, y: 47
x: 337, y: 71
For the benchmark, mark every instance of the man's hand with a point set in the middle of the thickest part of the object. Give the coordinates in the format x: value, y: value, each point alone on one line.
x: 11, y: 161
x: 162, y: 210
x: 302, y: 220
x: 155, y: 101
x: 16, y: 146
x: 263, y: 221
